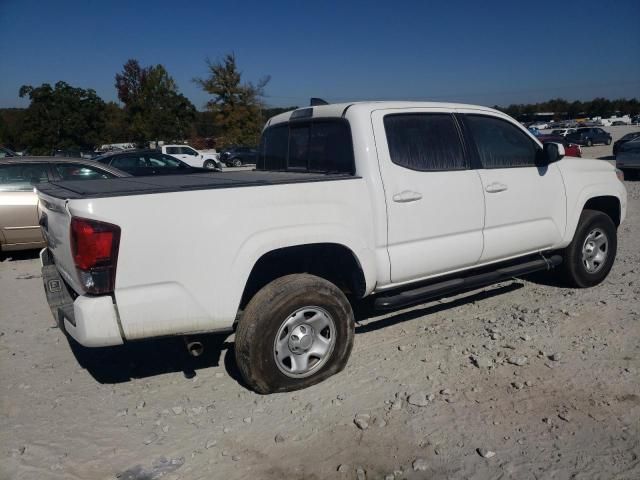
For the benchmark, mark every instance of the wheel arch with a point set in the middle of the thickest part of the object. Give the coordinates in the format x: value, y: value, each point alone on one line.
x: 334, y: 262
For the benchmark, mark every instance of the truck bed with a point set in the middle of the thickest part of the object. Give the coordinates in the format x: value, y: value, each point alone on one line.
x: 117, y: 187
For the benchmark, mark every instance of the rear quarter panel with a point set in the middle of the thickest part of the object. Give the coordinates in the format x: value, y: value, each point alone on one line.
x: 185, y: 257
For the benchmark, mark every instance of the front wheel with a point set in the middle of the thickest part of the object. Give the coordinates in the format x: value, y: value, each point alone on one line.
x: 237, y: 162
x: 589, y: 142
x: 210, y: 164
x: 607, y: 141
x: 295, y: 332
x: 590, y: 255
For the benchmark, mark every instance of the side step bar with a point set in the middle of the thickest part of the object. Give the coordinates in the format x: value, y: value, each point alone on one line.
x: 409, y: 298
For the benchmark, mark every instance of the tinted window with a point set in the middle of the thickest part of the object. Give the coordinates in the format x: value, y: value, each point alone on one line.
x: 321, y: 146
x: 162, y: 161
x: 70, y: 171
x: 188, y: 151
x: 501, y: 144
x: 424, y: 141
x: 173, y: 150
x: 128, y: 161
x: 22, y: 176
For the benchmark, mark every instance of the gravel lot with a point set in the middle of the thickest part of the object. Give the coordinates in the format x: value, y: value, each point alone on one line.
x: 523, y: 380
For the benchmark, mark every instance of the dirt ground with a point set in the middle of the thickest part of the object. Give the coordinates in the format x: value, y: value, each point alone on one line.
x: 522, y: 380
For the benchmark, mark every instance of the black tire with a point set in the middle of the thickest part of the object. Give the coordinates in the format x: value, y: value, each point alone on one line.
x: 237, y: 162
x: 574, y: 269
x: 607, y: 141
x: 210, y: 164
x: 268, y: 310
x: 589, y: 142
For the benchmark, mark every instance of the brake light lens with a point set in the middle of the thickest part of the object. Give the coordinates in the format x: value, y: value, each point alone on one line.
x: 94, y: 246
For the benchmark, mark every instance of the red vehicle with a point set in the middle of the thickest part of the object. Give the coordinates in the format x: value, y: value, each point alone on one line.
x: 570, y: 149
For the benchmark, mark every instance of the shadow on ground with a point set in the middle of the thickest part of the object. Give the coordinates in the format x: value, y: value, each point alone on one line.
x: 20, y: 255
x: 135, y: 360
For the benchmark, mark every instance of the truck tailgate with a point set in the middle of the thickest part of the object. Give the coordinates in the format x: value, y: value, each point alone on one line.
x: 55, y: 221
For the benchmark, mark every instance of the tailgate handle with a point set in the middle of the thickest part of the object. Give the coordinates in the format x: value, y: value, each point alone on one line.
x: 44, y: 221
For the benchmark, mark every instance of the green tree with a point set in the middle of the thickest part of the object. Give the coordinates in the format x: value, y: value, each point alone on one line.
x: 237, y: 106
x: 61, y: 117
x: 153, y: 106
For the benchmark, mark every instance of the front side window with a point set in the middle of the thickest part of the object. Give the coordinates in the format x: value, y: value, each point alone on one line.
x: 22, y: 177
x: 314, y: 146
x: 424, y: 141
x: 189, y: 151
x: 71, y: 171
x: 501, y: 144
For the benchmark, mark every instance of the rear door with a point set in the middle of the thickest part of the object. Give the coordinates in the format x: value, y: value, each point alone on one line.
x: 435, y: 204
x: 18, y: 203
x: 525, y: 204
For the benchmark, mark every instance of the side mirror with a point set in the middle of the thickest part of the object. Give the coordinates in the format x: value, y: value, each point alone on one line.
x: 552, y: 152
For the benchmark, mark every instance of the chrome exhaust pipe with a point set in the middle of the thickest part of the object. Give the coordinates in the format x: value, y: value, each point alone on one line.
x: 194, y: 347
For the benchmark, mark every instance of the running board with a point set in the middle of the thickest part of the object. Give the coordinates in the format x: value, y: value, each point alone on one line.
x: 409, y: 298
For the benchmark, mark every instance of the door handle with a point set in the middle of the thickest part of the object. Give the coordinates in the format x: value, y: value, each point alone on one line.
x: 407, y: 196
x: 496, y: 187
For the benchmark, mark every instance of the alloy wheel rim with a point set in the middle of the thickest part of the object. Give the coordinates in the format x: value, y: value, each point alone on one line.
x: 595, y: 250
x: 304, y: 342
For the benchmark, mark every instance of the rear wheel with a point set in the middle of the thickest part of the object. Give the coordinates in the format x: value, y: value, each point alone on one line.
x: 607, y: 141
x: 590, y: 255
x: 589, y: 142
x: 295, y: 332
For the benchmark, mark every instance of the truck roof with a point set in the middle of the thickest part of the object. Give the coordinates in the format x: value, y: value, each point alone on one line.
x: 339, y: 109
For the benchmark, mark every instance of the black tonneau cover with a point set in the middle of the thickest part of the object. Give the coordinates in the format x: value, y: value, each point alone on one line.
x: 117, y: 187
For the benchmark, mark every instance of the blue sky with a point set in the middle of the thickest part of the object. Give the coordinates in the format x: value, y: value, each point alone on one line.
x: 485, y: 52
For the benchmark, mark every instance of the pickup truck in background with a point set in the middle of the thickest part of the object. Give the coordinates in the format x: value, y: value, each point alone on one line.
x: 389, y: 203
x: 193, y: 157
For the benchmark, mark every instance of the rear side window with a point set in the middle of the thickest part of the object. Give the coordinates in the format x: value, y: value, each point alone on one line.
x: 70, y: 171
x: 320, y: 146
x: 173, y: 150
x: 424, y: 141
x: 22, y: 177
x: 501, y: 144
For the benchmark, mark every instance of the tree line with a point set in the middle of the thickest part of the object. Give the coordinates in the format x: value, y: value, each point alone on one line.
x: 563, y: 109
x: 64, y: 117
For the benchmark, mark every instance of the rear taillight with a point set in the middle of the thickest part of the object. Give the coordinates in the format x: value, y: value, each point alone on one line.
x: 94, y: 246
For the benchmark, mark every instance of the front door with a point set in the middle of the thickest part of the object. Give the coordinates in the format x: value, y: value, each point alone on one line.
x: 435, y: 203
x: 525, y: 203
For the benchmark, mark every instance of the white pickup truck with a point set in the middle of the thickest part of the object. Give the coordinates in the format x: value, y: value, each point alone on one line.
x: 193, y: 157
x: 397, y: 202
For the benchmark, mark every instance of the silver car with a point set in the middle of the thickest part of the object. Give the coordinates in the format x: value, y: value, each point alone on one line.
x: 19, y: 176
x: 628, y: 158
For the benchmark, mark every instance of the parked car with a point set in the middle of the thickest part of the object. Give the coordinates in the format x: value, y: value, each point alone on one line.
x: 6, y: 152
x: 589, y: 136
x: 238, y: 156
x: 626, y: 138
x: 19, y: 229
x: 147, y: 162
x: 193, y: 157
x: 540, y: 125
x: 570, y: 149
x: 563, y: 131
x: 628, y: 158
x: 451, y: 198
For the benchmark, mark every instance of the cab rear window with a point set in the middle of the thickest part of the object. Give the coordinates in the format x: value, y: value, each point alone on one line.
x: 316, y: 146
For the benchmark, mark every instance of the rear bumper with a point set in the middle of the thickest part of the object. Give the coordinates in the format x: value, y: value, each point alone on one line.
x: 91, y: 321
